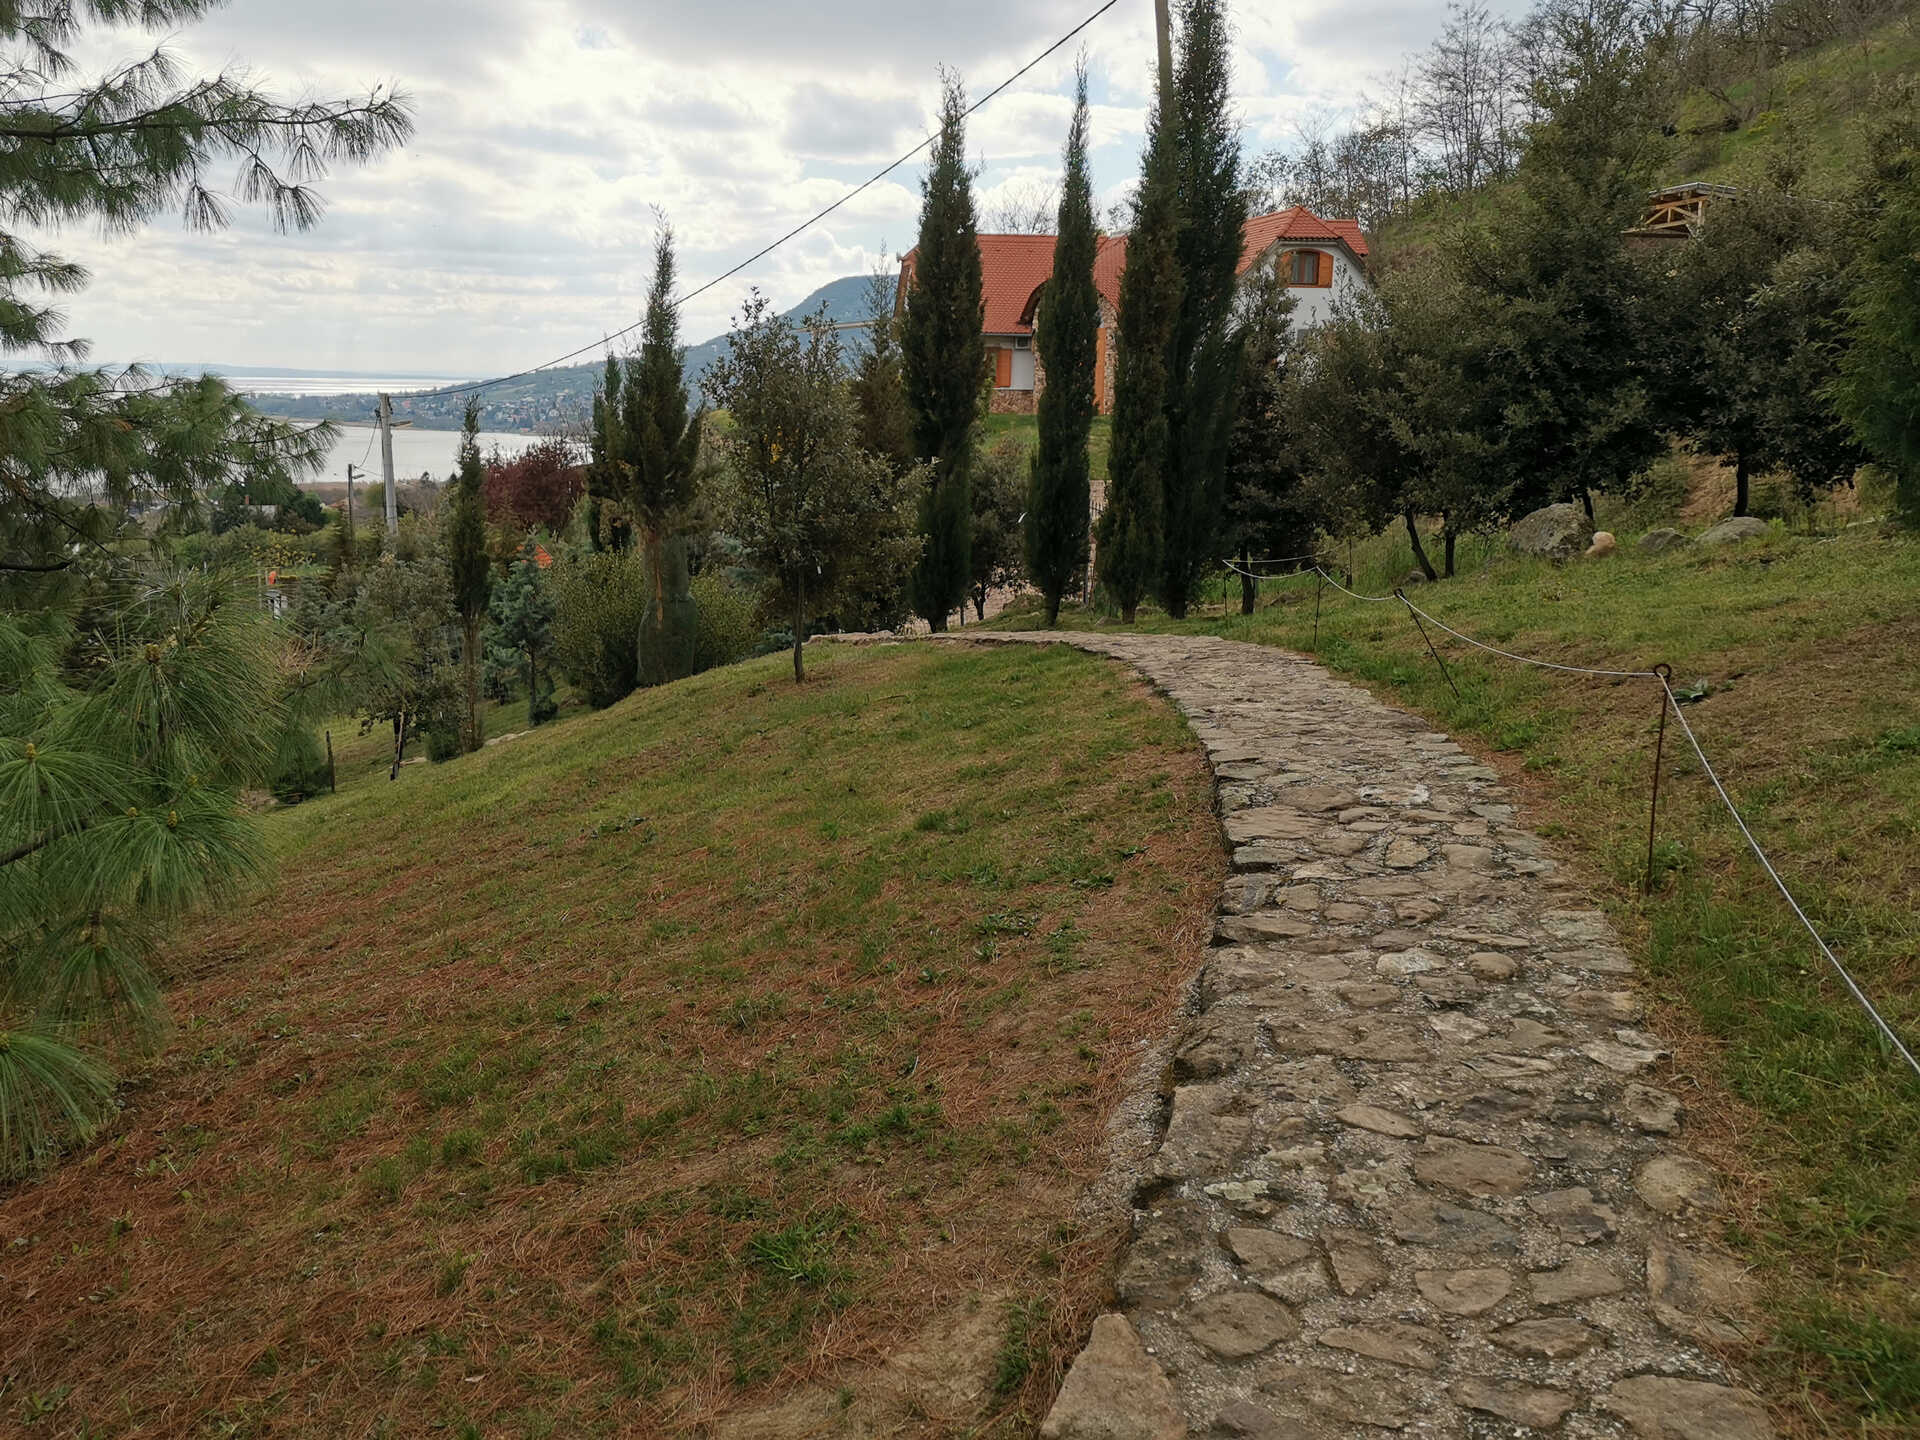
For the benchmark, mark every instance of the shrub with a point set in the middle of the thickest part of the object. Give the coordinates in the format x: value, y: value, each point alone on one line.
x: 300, y: 769
x: 729, y: 624
x: 598, y: 602
x: 443, y: 743
x: 537, y: 489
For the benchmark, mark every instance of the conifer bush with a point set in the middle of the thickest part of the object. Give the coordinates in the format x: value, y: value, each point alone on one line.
x: 599, y: 600
x: 300, y: 769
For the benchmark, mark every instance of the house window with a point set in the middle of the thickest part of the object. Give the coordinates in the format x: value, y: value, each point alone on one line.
x: 1306, y: 267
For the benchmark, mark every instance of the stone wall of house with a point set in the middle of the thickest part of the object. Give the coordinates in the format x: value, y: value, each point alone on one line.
x: 1109, y: 322
x: 1017, y: 402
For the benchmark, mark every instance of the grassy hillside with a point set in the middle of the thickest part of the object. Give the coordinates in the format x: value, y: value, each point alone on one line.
x: 1805, y: 653
x: 639, y: 1069
x: 1814, y: 109
x: 1810, y: 113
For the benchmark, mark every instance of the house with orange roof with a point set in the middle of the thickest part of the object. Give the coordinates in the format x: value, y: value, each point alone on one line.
x: 1323, y: 260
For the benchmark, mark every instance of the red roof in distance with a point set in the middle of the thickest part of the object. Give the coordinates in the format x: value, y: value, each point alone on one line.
x: 1014, y: 267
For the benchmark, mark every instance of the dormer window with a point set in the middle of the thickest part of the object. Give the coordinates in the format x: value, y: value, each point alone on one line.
x: 1305, y: 267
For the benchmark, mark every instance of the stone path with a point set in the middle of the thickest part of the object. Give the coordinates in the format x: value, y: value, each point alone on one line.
x: 1416, y: 1176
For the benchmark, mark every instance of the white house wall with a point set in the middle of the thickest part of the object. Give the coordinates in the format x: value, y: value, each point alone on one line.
x: 1314, y: 304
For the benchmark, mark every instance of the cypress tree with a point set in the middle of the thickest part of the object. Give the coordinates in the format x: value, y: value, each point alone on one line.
x: 469, y: 567
x: 944, y: 360
x: 1267, y: 511
x: 1127, y: 558
x: 659, y: 443
x: 1069, y: 326
x: 1203, y: 358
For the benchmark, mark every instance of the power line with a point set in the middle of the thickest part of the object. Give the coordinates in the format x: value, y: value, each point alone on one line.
x: 761, y: 254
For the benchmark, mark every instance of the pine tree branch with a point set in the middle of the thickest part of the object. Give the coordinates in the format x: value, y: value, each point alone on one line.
x: 41, y: 841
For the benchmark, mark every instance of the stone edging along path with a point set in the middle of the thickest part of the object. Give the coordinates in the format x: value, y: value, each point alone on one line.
x: 1416, y: 1177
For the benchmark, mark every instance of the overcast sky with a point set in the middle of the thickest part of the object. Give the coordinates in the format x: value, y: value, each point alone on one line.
x: 518, y: 222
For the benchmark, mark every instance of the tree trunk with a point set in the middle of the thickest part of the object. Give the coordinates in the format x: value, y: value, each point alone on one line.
x: 1053, y: 611
x: 1741, y: 473
x: 1419, y: 552
x: 1249, y: 593
x: 1586, y: 499
x: 938, y: 624
x: 1177, y: 608
x: 1450, y: 538
x: 470, y: 645
x: 799, y: 630
x: 399, y: 744
x: 980, y: 602
x: 1127, y: 614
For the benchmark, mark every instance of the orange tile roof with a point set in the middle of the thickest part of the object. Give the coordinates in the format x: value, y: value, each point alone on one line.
x: 1014, y: 267
x: 1298, y: 223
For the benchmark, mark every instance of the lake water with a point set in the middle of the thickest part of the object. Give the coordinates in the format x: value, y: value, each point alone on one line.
x: 415, y: 452
x: 248, y: 384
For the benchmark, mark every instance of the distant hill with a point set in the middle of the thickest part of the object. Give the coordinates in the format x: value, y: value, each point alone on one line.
x: 845, y: 300
x: 560, y: 400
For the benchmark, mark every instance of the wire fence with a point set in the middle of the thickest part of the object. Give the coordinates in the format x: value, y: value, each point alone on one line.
x: 1670, y: 703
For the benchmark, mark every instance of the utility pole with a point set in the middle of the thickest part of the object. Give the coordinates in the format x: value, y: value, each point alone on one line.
x: 350, y: 479
x: 1164, y: 30
x: 385, y: 416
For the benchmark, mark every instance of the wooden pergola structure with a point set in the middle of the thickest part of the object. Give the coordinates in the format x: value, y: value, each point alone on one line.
x: 1676, y: 213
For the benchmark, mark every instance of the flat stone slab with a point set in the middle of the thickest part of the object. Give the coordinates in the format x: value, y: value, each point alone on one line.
x: 1114, y: 1391
x: 1423, y: 1173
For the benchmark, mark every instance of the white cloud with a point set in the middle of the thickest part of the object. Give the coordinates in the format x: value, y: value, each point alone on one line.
x: 518, y: 223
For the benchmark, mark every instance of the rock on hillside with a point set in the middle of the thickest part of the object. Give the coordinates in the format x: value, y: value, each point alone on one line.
x: 1658, y: 542
x: 1740, y: 527
x: 1558, y: 532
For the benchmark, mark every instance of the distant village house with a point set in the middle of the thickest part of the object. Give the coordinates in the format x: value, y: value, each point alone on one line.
x: 1324, y: 261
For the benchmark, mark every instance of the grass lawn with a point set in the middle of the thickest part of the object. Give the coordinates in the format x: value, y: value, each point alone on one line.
x: 633, y: 1072
x: 1025, y: 429
x: 1809, y: 649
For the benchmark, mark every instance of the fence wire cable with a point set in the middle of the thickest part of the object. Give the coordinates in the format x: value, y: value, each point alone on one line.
x: 1673, y: 701
x: 1283, y: 560
x: 1355, y: 593
x: 1852, y: 985
x: 1528, y: 659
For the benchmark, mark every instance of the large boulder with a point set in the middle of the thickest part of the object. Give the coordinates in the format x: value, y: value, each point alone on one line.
x: 1558, y: 532
x: 1658, y: 542
x: 1740, y: 527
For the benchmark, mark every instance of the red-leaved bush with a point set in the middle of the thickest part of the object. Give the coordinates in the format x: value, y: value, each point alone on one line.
x: 538, y: 487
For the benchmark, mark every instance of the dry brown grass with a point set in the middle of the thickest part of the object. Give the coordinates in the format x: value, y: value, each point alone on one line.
x: 482, y: 1120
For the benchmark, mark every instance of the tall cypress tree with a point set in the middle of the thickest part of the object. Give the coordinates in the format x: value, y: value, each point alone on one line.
x: 1203, y: 357
x: 1127, y: 560
x: 1068, y: 330
x: 470, y: 569
x: 659, y: 443
x: 944, y: 361
x: 1267, y: 512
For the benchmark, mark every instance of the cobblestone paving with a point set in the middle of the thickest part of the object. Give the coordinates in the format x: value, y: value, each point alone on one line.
x: 1417, y: 1174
